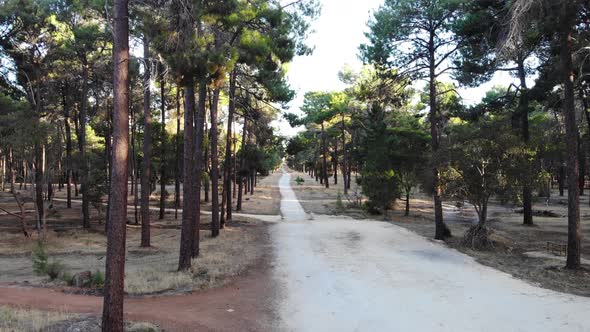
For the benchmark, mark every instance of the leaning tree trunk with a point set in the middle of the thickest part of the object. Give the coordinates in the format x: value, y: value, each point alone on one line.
x: 214, y: 166
x: 146, y: 172
x: 112, y: 316
x: 566, y: 40
x: 188, y: 226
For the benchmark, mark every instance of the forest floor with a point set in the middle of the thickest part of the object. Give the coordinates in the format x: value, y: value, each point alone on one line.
x: 319, y: 272
x: 520, y: 250
x: 241, y: 250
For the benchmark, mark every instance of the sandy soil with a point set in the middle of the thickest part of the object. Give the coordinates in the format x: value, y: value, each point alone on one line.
x: 265, y: 201
x: 239, y: 306
x: 341, y: 274
x: 230, y: 273
x: 516, y: 243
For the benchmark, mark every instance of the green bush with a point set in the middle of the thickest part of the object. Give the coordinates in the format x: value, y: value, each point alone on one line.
x: 381, y: 188
x: 97, y: 279
x: 68, y: 278
x: 299, y: 180
x: 42, y: 265
x: 40, y: 258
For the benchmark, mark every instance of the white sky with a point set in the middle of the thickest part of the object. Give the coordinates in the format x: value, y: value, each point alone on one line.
x: 338, y: 32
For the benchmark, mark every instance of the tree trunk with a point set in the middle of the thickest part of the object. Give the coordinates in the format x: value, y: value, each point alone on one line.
x: 163, y: 148
x: 198, y: 169
x: 523, y: 105
x: 581, y: 166
x: 228, y: 149
x: 12, y: 170
x: 325, y: 158
x: 344, y: 174
x: 112, y: 316
x: 188, y: 225
x: 568, y: 15
x: 146, y: 171
x: 214, y: 167
x: 441, y: 229
x: 178, y: 161
x: 561, y: 179
x: 82, y: 141
x: 39, y: 190
x: 407, y: 211
x: 242, y: 166
x: 335, y: 161
x: 134, y: 169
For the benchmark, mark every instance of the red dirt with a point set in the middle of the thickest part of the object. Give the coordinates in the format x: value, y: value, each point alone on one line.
x: 248, y: 296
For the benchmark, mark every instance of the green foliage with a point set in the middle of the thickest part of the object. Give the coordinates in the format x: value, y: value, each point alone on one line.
x: 379, y: 180
x: 40, y: 258
x: 299, y: 180
x: 97, y: 279
x: 41, y: 264
x: 478, y: 167
x: 68, y: 278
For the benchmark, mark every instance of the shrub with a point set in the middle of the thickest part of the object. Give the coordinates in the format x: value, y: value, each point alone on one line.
x: 381, y: 188
x: 97, y: 279
x: 40, y: 258
x: 68, y: 278
x: 299, y: 180
x: 54, y: 269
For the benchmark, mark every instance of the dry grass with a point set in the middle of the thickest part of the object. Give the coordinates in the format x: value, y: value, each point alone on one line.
x: 221, y: 258
x: 228, y: 255
x: 16, y: 319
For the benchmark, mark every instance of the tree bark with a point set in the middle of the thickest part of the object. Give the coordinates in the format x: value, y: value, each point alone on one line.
x: 178, y: 161
x: 146, y: 171
x: 198, y: 169
x: 39, y: 190
x: 335, y: 161
x: 112, y: 317
x: 567, y: 17
x: 82, y: 141
x: 188, y: 225
x: 228, y: 149
x: 215, y: 225
x: 325, y: 158
x: 68, y: 131
x: 344, y: 174
x: 523, y: 105
x: 441, y: 229
x: 242, y: 166
x: 163, y: 148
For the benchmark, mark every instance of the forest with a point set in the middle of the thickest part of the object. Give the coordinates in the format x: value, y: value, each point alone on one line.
x: 513, y: 146
x: 151, y: 124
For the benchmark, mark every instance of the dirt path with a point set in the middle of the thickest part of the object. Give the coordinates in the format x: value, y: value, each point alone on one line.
x: 339, y: 274
x: 243, y: 305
